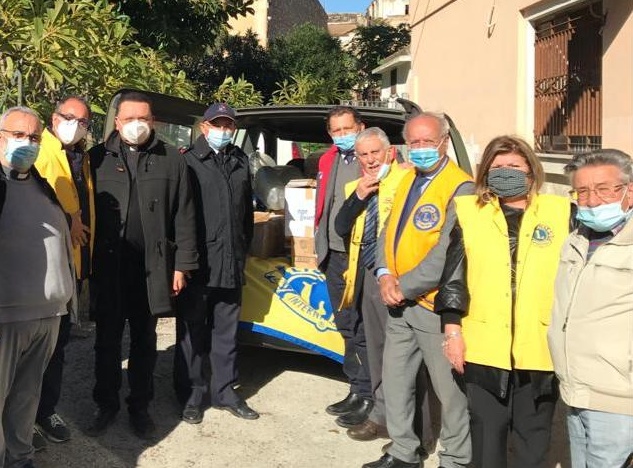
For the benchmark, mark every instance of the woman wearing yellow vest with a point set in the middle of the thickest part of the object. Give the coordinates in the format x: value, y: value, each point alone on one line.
x: 504, y: 254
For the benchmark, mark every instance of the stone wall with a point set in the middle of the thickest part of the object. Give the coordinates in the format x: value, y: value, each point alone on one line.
x: 285, y: 14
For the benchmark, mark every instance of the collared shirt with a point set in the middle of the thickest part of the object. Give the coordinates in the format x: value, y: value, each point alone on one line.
x: 596, y: 239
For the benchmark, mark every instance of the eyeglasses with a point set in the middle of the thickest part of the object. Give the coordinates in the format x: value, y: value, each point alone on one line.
x: 603, y: 192
x: 425, y: 143
x: 32, y: 137
x: 85, y: 123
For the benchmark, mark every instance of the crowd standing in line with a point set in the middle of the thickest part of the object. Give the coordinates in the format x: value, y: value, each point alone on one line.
x: 486, y: 290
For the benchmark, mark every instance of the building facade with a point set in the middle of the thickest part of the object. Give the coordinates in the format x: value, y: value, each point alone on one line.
x: 274, y: 18
x: 557, y: 72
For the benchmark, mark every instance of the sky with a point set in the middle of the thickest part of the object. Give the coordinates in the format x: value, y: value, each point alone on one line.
x: 345, y: 6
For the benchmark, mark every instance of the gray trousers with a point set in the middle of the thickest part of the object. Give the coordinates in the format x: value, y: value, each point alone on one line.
x: 25, y: 349
x: 414, y: 337
x: 375, y: 315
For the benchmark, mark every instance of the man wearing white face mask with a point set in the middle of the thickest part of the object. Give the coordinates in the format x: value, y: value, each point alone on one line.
x: 37, y: 281
x: 208, y: 311
x: 591, y: 332
x: 359, y: 222
x: 145, y: 246
x: 64, y: 163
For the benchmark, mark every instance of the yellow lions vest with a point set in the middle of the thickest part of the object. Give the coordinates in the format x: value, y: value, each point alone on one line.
x: 386, y: 191
x: 495, y: 335
x: 421, y: 230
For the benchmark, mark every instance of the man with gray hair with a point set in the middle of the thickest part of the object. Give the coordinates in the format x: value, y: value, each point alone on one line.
x: 359, y: 222
x: 409, y: 263
x: 37, y: 281
x: 591, y: 332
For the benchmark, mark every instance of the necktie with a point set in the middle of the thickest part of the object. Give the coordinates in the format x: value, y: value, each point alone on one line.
x: 370, y: 232
x: 348, y: 156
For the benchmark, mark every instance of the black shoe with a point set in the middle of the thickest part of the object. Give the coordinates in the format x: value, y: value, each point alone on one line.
x: 351, y: 402
x: 192, y: 414
x: 241, y: 410
x: 39, y: 441
x: 54, y: 428
x: 142, y: 424
x: 357, y: 416
x: 103, y: 419
x: 389, y: 461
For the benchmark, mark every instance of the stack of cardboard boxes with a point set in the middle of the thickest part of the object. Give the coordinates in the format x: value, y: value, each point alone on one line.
x: 299, y: 212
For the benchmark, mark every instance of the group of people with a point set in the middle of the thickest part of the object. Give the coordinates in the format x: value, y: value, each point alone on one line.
x: 503, y: 296
x: 498, y: 296
x: 157, y: 231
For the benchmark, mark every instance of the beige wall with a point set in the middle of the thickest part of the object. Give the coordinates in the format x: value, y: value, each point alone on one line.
x: 617, y: 76
x: 477, y: 64
x: 257, y: 22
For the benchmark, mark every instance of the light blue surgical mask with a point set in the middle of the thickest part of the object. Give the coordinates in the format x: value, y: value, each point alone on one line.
x: 21, y: 154
x: 603, y: 218
x: 345, y: 142
x: 383, y: 171
x: 218, y: 139
x: 424, y: 158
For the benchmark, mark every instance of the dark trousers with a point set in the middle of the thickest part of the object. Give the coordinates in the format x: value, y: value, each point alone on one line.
x: 52, y: 380
x: 349, y: 323
x: 134, y: 308
x: 206, y: 338
x: 528, y: 419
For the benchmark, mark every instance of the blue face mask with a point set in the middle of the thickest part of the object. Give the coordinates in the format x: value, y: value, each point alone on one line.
x: 603, y: 218
x: 21, y: 154
x: 218, y: 139
x: 345, y: 142
x: 424, y: 158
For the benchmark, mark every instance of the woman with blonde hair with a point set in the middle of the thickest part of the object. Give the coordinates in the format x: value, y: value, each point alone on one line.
x: 503, y: 257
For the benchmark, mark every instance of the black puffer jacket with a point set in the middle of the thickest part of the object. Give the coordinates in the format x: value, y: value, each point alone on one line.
x: 167, y: 220
x: 224, y: 210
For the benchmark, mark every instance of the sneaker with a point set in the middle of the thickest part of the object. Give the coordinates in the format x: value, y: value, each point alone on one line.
x: 142, y: 424
x: 39, y: 441
x: 54, y: 428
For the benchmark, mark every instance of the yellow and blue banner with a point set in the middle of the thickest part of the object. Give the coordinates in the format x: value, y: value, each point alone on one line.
x: 291, y: 304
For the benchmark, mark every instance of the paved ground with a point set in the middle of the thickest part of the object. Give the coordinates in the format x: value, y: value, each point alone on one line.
x: 290, y: 390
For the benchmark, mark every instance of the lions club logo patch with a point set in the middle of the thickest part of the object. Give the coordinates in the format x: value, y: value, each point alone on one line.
x: 305, y: 293
x: 426, y: 217
x: 542, y: 235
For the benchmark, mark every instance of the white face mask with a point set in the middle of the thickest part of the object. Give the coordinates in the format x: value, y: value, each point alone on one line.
x: 70, y: 132
x: 136, y: 132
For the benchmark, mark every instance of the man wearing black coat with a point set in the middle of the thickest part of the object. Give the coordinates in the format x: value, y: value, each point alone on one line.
x: 209, y: 309
x: 145, y: 246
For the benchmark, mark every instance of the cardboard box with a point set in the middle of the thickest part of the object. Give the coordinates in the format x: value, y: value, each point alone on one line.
x: 303, y: 254
x: 300, y: 205
x: 268, y: 235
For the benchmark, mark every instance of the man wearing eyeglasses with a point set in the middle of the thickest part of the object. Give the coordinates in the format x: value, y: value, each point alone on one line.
x: 36, y: 281
x: 63, y: 162
x: 591, y: 332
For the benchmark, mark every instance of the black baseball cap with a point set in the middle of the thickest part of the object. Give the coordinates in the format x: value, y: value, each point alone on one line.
x: 219, y: 109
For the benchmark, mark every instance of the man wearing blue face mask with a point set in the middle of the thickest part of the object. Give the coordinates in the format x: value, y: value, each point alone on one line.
x: 37, y: 281
x: 337, y: 167
x: 410, y: 259
x: 208, y: 311
x: 591, y: 332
